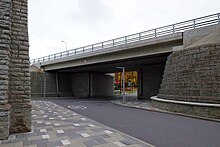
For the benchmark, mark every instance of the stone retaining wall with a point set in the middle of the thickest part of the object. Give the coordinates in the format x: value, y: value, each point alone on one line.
x: 193, y: 75
x: 196, y: 110
x: 15, y: 108
x: 5, y: 38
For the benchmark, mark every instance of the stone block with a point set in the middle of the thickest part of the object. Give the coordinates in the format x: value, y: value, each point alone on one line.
x: 14, y: 58
x: 192, y: 75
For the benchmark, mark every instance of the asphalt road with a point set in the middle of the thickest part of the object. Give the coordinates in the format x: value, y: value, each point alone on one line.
x: 159, y: 129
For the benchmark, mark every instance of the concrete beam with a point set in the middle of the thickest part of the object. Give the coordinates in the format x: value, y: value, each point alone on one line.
x: 160, y: 45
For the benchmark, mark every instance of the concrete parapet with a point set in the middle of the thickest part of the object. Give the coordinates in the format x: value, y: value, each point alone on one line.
x: 192, y: 36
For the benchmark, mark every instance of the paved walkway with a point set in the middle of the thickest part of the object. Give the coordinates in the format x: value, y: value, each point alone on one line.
x: 55, y: 126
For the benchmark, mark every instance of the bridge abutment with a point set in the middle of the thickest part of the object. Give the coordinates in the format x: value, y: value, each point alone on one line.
x: 149, y: 80
x: 92, y: 85
x: 79, y: 85
x: 101, y: 85
x: 191, y: 78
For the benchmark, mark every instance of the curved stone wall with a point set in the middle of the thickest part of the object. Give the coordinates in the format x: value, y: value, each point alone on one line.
x: 193, y: 75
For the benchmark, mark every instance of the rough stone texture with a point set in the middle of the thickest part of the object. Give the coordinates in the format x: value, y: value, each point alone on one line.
x: 77, y: 85
x: 80, y: 85
x: 51, y: 88
x: 151, y: 79
x: 193, y: 75
x: 202, y: 111
x: 51, y: 81
x: 65, y: 84
x: 5, y: 38
x: 15, y: 108
x: 38, y: 79
x: 101, y: 85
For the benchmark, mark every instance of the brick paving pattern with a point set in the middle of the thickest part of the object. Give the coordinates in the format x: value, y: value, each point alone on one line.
x: 55, y: 126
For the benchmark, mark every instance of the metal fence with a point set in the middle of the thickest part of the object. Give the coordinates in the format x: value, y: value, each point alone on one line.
x: 161, y: 31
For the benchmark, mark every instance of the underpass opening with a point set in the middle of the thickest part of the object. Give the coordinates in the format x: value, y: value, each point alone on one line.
x: 131, y: 85
x: 102, y: 80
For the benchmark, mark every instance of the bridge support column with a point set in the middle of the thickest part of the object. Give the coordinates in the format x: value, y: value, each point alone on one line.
x: 101, y: 85
x: 92, y: 85
x: 80, y: 85
x: 15, y: 107
x: 140, y: 85
x: 149, y: 80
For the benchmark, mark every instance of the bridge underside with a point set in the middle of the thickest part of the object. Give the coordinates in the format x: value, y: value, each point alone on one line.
x: 87, y: 75
x: 189, y: 80
x: 94, y: 80
x: 133, y: 64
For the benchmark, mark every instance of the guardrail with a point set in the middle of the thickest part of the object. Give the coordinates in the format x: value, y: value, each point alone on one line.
x: 161, y: 31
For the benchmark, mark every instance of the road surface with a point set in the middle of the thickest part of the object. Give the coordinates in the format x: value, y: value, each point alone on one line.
x: 159, y: 129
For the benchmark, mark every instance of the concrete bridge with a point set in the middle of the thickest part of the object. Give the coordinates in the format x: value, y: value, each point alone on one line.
x: 82, y: 72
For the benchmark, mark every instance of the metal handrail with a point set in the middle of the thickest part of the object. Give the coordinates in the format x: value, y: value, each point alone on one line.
x: 149, y: 34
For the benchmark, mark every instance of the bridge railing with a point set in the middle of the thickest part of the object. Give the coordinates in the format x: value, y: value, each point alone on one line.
x: 149, y: 34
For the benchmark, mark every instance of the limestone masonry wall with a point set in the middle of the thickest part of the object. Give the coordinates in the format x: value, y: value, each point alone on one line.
x: 193, y: 75
x: 15, y: 108
x: 101, y: 85
x: 151, y: 76
x: 5, y: 38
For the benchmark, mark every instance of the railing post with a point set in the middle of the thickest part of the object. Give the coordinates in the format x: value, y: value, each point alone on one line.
x: 194, y: 23
x: 173, y: 28
x: 218, y: 17
x: 190, y: 24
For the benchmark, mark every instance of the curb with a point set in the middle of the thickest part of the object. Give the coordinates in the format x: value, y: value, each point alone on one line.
x: 167, y: 112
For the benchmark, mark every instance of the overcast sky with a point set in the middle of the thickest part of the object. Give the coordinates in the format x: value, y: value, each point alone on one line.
x: 84, y: 22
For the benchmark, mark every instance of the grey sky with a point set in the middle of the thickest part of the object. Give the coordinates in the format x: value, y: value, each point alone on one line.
x: 83, y: 22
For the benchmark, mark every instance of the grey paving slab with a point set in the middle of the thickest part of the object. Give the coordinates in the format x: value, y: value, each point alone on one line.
x: 54, y: 125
